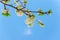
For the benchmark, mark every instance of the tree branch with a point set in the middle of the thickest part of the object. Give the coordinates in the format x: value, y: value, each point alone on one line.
x: 9, y: 5
x: 4, y: 6
x: 21, y: 9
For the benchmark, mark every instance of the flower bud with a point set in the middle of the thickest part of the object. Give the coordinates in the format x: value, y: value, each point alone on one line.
x: 5, y: 1
x: 5, y: 12
x: 40, y: 13
x: 40, y: 24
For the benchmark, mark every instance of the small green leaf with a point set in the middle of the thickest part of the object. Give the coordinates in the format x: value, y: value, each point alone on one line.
x: 30, y: 25
x: 31, y: 16
x: 40, y: 14
x: 6, y: 14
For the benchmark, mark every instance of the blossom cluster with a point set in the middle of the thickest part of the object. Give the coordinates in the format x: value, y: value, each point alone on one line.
x: 20, y: 10
x: 30, y: 20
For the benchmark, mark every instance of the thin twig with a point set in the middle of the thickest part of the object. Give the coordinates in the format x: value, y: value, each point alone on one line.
x: 9, y: 5
x: 4, y: 6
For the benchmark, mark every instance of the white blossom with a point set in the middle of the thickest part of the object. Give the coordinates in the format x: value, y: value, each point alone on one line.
x: 30, y: 21
x: 19, y: 12
x: 5, y: 11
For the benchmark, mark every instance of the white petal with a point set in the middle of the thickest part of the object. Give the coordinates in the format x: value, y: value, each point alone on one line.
x: 20, y: 13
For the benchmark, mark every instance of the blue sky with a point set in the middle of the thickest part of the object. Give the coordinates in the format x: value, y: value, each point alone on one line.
x: 14, y: 28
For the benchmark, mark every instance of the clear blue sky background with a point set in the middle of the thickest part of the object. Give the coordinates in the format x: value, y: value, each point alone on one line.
x: 13, y: 27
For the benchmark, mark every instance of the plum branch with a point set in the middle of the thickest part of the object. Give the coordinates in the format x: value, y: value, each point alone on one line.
x: 20, y: 10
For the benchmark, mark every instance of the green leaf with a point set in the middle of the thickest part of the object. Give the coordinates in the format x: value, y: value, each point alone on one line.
x: 40, y: 14
x: 31, y: 16
x: 30, y: 25
x: 6, y: 14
